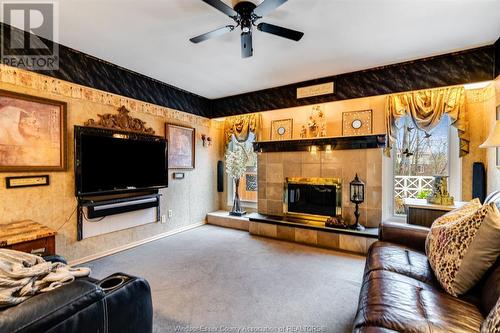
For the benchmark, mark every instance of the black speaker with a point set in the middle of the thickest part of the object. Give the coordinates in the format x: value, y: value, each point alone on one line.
x: 478, y: 181
x: 220, y: 176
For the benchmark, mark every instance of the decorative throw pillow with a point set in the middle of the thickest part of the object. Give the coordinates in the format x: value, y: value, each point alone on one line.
x: 492, y: 322
x: 462, y: 251
x: 452, y: 216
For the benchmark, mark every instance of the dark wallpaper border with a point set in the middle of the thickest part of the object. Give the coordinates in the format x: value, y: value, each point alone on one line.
x: 497, y: 58
x: 80, y: 68
x: 463, y: 67
x: 474, y: 65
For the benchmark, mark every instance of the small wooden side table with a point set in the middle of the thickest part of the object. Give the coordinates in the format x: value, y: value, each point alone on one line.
x: 419, y: 212
x: 28, y: 236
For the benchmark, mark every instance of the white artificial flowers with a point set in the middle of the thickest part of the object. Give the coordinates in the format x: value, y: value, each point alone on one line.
x: 236, y: 161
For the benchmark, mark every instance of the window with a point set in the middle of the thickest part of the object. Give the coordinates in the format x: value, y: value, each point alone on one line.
x: 248, y: 182
x: 417, y: 156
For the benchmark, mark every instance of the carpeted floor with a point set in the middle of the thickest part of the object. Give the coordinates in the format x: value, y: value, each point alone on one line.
x: 213, y: 279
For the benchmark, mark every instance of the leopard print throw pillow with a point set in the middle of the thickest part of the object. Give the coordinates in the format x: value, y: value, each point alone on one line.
x: 452, y: 216
x: 492, y: 322
x: 462, y: 251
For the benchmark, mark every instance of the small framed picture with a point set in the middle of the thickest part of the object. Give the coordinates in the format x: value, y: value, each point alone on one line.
x: 32, y: 133
x: 27, y: 181
x: 357, y: 123
x: 181, y: 146
x: 281, y: 129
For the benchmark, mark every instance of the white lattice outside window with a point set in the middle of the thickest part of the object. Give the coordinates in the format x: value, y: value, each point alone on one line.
x: 417, y: 157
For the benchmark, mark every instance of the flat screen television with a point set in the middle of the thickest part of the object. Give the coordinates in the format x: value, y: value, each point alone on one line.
x: 109, y: 161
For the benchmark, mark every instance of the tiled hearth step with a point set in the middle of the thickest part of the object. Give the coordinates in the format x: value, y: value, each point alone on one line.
x: 276, y: 227
x: 223, y: 219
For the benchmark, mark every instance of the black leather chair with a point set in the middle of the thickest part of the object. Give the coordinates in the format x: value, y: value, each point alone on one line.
x: 119, y: 303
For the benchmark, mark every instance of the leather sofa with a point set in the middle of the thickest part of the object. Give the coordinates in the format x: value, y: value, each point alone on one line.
x: 119, y: 303
x: 401, y: 294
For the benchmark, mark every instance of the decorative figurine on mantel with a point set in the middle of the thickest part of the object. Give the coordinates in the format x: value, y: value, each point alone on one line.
x: 313, y: 127
x: 322, y: 131
x: 317, y: 123
x: 357, y: 194
x: 303, y: 132
x: 440, y: 195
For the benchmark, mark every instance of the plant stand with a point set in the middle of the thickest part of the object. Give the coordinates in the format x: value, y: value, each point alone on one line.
x: 236, y: 210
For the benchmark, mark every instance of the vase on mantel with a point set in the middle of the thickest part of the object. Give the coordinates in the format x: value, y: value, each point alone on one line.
x: 236, y: 210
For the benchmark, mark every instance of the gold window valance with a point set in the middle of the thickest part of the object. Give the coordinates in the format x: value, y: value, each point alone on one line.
x: 426, y: 108
x: 241, y: 126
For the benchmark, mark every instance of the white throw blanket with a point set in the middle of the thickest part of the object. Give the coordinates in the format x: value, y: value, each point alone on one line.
x: 23, y: 275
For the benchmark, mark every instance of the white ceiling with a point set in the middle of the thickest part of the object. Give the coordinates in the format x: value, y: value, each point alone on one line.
x: 151, y: 37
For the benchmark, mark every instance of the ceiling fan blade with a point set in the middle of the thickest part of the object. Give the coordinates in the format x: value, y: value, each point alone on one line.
x: 246, y: 45
x: 268, y: 6
x: 221, y: 6
x: 212, y: 34
x: 280, y: 31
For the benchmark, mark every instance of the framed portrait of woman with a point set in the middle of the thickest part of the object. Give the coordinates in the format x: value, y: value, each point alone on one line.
x: 32, y: 133
x: 181, y: 146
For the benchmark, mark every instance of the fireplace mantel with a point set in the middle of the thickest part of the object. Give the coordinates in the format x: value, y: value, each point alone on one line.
x: 318, y: 144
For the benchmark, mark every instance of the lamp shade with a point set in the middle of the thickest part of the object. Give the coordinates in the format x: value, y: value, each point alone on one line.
x: 494, y: 139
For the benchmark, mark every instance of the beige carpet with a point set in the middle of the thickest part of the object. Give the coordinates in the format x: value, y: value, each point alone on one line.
x: 213, y: 279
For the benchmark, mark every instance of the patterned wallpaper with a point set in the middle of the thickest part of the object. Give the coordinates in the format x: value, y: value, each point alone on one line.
x: 47, y: 84
x: 54, y: 206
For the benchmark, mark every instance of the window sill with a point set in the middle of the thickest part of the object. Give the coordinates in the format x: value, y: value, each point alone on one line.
x: 396, y: 218
x: 244, y: 204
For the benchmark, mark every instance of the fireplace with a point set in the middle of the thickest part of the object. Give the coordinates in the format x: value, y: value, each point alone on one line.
x: 313, y: 198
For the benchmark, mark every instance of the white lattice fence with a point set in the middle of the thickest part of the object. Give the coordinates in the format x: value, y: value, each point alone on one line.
x: 411, y: 186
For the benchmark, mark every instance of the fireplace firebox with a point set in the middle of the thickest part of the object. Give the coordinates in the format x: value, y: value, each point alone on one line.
x: 313, y: 198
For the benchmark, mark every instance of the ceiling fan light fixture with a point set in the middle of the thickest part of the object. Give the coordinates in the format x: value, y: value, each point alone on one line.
x: 246, y: 14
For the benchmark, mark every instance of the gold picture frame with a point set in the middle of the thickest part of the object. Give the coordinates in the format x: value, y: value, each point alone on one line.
x: 33, y: 133
x: 356, y: 123
x: 282, y: 129
x: 181, y: 146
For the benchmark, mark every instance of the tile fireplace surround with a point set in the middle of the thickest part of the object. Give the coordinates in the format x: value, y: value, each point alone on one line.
x: 344, y: 164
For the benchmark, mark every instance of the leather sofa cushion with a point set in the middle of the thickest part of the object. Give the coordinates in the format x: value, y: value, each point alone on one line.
x: 47, y: 310
x: 399, y: 259
x: 490, y: 291
x: 400, y: 303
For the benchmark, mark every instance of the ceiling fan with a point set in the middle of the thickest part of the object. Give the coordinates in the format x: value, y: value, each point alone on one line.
x: 246, y: 14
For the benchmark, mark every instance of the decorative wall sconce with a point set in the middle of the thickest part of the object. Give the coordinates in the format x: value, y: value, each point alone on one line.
x: 313, y: 149
x: 207, y: 141
x: 357, y: 194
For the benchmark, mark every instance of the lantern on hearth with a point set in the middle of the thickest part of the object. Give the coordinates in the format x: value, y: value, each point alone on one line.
x: 357, y: 196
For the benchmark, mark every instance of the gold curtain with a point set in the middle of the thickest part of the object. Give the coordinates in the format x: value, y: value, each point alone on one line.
x: 241, y: 126
x: 426, y: 108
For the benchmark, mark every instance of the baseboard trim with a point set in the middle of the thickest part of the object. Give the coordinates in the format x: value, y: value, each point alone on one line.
x: 134, y: 244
